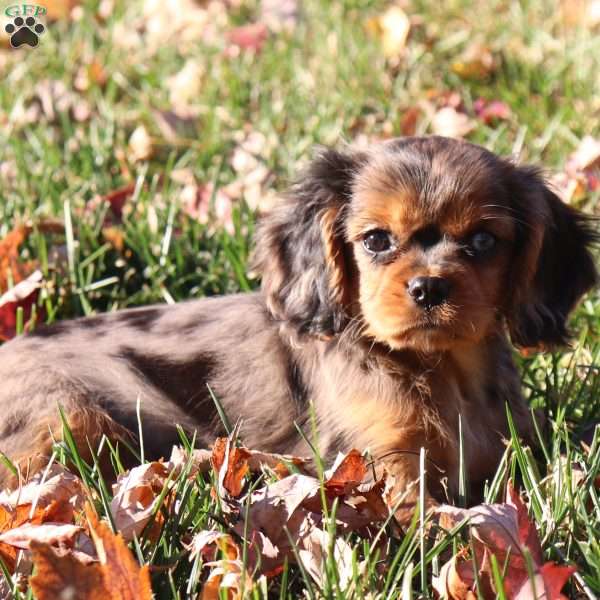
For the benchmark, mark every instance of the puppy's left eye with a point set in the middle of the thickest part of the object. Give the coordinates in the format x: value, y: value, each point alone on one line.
x: 482, y: 241
x: 378, y: 241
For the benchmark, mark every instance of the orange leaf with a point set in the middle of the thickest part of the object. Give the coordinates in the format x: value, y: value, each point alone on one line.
x: 231, y: 465
x: 122, y: 575
x: 9, y: 256
x: 61, y: 575
x: 347, y: 473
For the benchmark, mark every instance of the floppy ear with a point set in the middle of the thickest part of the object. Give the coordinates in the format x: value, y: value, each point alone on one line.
x: 300, y: 249
x: 554, y: 264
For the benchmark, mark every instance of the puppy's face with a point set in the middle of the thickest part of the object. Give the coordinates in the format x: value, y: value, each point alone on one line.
x: 432, y: 237
x: 424, y: 243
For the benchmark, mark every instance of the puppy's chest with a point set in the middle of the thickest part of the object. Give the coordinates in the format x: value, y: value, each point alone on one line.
x: 410, y: 408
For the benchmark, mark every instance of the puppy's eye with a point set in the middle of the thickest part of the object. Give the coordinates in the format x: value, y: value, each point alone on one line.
x: 482, y: 241
x: 377, y: 241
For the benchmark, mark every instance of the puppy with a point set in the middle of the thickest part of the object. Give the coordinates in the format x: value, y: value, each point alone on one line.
x: 392, y: 280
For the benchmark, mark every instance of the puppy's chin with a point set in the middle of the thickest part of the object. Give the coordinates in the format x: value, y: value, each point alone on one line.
x: 425, y: 337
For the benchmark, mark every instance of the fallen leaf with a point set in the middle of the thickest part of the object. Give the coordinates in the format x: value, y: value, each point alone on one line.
x: 205, y: 204
x: 251, y: 37
x: 279, y: 15
x: 115, y: 236
x: 179, y: 23
x: 392, y: 29
x: 231, y: 465
x: 315, y: 547
x: 135, y: 495
x: 347, y: 473
x: 10, y: 267
x: 185, y: 87
x: 63, y: 575
x: 45, y: 489
x: 118, y: 198
x: 54, y: 534
x: 488, y: 112
x: 586, y: 156
x: 176, y: 126
x: 547, y: 583
x: 582, y: 172
x: 140, y: 144
x: 203, y: 540
x: 450, y: 123
x: 456, y: 579
x: 475, y: 62
x: 505, y: 531
x: 122, y: 575
x: 23, y: 295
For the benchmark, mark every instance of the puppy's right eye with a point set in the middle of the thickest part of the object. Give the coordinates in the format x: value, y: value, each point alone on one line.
x: 377, y: 241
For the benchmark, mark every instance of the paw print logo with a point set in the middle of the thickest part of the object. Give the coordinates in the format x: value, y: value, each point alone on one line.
x: 24, y: 31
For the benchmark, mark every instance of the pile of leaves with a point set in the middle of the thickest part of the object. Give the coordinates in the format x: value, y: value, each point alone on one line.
x: 270, y: 512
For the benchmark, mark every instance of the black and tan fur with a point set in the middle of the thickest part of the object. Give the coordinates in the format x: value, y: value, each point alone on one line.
x: 333, y: 325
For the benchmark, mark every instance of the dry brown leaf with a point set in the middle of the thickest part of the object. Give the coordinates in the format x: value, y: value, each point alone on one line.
x: 123, y: 578
x: 204, y: 203
x: 63, y: 575
x: 140, y: 144
x: 185, y: 87
x: 231, y: 465
x: 505, y: 531
x: 582, y: 172
x: 199, y: 461
x: 475, y: 62
x: 450, y: 123
x: 392, y: 28
x: 456, y: 579
x: 279, y: 15
x: 315, y: 547
x: 135, y: 495
x: 347, y: 473
x: 586, y: 156
x: 45, y: 488
x: 53, y: 534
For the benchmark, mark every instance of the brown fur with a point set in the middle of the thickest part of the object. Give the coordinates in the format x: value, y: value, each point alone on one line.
x: 335, y: 326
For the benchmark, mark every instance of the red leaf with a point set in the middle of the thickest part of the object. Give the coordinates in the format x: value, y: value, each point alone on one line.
x: 249, y: 37
x: 555, y: 577
x: 492, y: 111
x: 117, y: 198
x: 23, y: 295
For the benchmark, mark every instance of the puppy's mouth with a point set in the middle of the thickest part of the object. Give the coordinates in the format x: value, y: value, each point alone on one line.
x: 425, y: 325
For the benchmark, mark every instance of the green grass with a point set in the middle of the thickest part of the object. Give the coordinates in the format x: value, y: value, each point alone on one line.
x: 324, y: 82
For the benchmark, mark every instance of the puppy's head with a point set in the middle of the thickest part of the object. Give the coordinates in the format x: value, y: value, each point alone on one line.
x: 424, y: 243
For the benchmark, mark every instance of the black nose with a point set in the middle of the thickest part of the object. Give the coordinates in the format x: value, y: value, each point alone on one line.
x: 428, y: 291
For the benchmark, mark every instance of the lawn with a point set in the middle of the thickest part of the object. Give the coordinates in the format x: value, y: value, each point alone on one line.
x: 139, y: 140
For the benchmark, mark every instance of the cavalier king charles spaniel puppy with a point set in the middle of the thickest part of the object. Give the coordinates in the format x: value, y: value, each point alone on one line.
x: 393, y: 279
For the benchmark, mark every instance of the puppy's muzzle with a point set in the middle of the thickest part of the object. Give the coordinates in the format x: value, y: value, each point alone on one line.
x: 428, y: 292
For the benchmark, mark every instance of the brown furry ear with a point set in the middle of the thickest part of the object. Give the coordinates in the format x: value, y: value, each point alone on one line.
x: 555, y: 266
x: 300, y: 248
